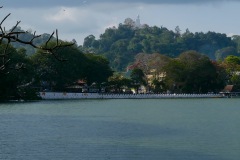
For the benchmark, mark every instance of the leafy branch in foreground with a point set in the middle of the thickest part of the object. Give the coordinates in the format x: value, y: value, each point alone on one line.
x: 7, y: 37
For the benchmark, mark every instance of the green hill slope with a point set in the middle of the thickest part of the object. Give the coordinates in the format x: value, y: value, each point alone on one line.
x: 121, y: 44
x: 28, y: 36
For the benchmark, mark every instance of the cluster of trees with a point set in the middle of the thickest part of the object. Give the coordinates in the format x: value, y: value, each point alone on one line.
x: 45, y: 69
x: 190, y: 72
x: 118, y: 82
x: 232, y: 66
x: 15, y: 66
x: 12, y: 77
x: 88, y: 67
x: 29, y: 34
x: 121, y: 44
x: 29, y: 61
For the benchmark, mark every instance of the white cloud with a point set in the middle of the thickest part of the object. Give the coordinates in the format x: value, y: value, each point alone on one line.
x: 62, y: 15
x: 77, y: 22
x: 231, y: 34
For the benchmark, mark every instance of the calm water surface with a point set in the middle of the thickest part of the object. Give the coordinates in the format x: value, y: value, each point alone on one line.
x: 163, y: 129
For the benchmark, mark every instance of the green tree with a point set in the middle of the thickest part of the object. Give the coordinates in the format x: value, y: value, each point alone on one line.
x: 15, y: 82
x: 118, y: 82
x: 175, y: 75
x: 177, y: 31
x: 236, y: 40
x: 120, y: 44
x: 232, y: 66
x: 59, y: 74
x: 88, y: 41
x: 97, y: 69
x: 138, y: 78
x: 194, y: 73
x: 232, y: 60
x: 15, y: 67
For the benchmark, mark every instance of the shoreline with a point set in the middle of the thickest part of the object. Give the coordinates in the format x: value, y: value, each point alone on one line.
x: 69, y: 95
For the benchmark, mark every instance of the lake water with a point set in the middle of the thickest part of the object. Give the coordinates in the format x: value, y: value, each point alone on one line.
x: 157, y: 129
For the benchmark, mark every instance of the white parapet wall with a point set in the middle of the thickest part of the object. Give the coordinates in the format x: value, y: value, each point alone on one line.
x: 65, y: 95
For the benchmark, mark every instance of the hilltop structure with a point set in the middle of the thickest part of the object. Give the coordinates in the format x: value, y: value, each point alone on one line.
x: 137, y: 22
x: 132, y: 23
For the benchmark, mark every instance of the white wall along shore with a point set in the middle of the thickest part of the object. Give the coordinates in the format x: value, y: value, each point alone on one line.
x: 65, y: 95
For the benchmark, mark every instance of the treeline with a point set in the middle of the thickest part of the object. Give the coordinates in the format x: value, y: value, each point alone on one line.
x: 157, y: 58
x: 24, y: 75
x: 28, y: 35
x: 121, y: 44
x: 190, y: 72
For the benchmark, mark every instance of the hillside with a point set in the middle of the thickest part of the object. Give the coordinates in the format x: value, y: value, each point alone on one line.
x: 121, y: 44
x: 28, y: 36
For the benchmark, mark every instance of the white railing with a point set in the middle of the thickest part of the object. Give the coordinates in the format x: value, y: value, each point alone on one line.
x: 64, y: 95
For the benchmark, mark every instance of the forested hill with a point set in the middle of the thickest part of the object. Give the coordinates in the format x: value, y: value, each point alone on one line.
x: 27, y: 37
x: 121, y: 44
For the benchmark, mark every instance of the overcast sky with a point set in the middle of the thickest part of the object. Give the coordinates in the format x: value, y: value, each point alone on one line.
x: 76, y: 19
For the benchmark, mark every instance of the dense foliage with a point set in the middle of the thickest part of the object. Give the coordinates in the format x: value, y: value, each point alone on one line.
x: 22, y: 76
x: 28, y: 36
x: 160, y: 59
x: 43, y: 70
x: 12, y: 80
x: 190, y: 72
x: 121, y: 44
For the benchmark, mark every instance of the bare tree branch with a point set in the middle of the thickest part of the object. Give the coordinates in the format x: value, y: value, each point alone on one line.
x: 13, y: 36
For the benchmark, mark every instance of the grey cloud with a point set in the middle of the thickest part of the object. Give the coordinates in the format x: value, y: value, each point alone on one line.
x: 51, y: 3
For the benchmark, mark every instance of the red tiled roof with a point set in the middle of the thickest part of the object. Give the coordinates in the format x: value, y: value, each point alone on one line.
x: 228, y: 88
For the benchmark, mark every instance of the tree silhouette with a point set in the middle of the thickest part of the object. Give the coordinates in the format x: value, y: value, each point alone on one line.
x: 8, y: 36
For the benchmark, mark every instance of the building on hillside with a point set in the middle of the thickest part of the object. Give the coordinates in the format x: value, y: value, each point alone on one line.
x: 154, y: 75
x: 228, y: 88
x: 78, y: 86
x: 137, y: 22
x: 134, y: 23
x: 81, y: 86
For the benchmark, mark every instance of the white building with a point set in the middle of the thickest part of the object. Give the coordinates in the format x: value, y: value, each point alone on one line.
x: 137, y: 22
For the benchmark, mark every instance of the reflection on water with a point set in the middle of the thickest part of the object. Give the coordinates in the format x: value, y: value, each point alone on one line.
x: 177, y: 129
